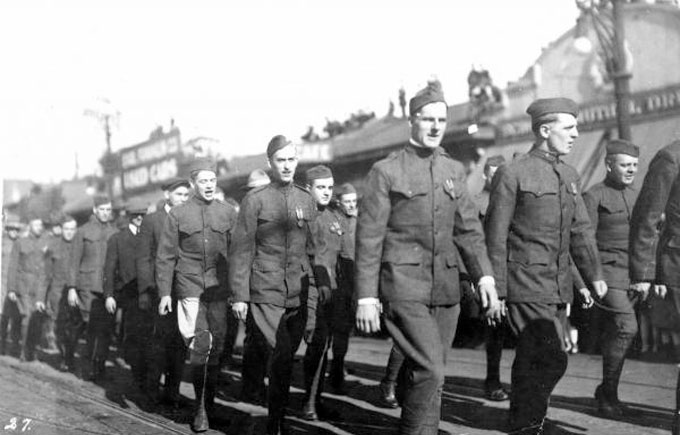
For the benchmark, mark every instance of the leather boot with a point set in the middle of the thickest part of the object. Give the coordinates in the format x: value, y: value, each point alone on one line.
x: 388, y: 394
x: 200, y: 421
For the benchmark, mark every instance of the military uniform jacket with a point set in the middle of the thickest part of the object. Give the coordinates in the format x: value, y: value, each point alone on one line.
x: 7, y: 245
x: 273, y: 242
x: 536, y: 218
x: 147, y: 246
x: 349, y: 227
x: 416, y: 210
x: 120, y: 270
x: 193, y: 249
x: 57, y: 263
x: 27, y: 270
x: 89, y: 254
x: 610, y: 206
x: 660, y: 194
x: 328, y: 240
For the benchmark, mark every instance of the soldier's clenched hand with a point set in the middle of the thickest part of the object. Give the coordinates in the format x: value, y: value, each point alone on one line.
x: 660, y: 290
x: 165, y: 305
x: 600, y: 288
x: 240, y: 310
x: 110, y: 305
x: 73, y: 299
x: 40, y: 306
x: 368, y: 318
x: 489, y: 299
x: 12, y: 296
x: 587, y: 300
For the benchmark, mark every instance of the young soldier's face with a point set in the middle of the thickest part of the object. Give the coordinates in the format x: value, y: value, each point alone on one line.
x: 102, y: 212
x: 562, y: 134
x: 322, y: 190
x: 177, y: 196
x: 68, y: 230
x: 205, y: 184
x: 622, y: 168
x: 35, y: 227
x: 348, y: 203
x: 429, y: 125
x: 283, y: 164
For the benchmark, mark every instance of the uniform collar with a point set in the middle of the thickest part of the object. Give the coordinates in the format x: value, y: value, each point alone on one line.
x: 421, y: 151
x: 614, y: 185
x: 549, y: 157
x: 94, y: 220
x: 281, y: 186
x: 200, y: 201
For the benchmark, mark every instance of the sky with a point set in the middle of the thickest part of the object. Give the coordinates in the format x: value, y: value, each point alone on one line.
x: 239, y: 72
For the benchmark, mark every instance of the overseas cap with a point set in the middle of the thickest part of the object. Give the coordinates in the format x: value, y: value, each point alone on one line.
x: 136, y: 206
x: 345, y: 189
x: 174, y: 183
x: 545, y: 106
x: 317, y: 172
x: 101, y: 200
x: 258, y: 178
x: 202, y: 164
x: 431, y: 94
x: 620, y: 146
x: 276, y: 143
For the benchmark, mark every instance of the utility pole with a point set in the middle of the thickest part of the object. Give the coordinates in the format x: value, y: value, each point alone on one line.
x: 104, y: 112
x: 620, y: 74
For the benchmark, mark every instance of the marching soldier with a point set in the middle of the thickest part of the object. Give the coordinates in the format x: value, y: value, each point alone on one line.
x: 270, y: 273
x: 536, y: 217
x: 26, y: 285
x: 10, y: 319
x: 192, y: 254
x: 328, y: 240
x: 654, y: 257
x: 610, y: 204
x: 493, y: 389
x: 416, y: 211
x: 57, y: 266
x: 165, y: 353
x: 342, y: 321
x: 120, y: 291
x: 86, y: 286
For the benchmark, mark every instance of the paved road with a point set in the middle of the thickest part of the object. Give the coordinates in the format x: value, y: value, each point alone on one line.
x: 37, y: 399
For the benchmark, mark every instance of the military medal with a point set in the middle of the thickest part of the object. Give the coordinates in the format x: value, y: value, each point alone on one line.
x: 300, y: 216
x: 449, y: 188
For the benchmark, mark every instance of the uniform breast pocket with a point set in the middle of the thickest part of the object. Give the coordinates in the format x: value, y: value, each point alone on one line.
x: 190, y: 237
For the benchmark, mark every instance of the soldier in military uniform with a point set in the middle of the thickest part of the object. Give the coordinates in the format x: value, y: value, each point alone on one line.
x: 165, y: 353
x: 270, y: 272
x: 342, y: 321
x: 536, y: 217
x: 57, y: 264
x: 120, y: 292
x: 493, y: 389
x: 86, y: 286
x: 328, y: 240
x: 192, y: 260
x: 610, y: 204
x: 415, y: 215
x: 10, y: 319
x: 26, y: 284
x: 654, y: 253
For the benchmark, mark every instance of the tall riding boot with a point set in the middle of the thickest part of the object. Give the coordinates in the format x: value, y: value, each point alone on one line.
x: 613, y: 357
x: 200, y: 421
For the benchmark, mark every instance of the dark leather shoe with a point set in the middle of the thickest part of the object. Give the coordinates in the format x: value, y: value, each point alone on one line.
x: 309, y: 412
x: 606, y: 407
x: 496, y: 394
x: 200, y: 422
x: 388, y: 395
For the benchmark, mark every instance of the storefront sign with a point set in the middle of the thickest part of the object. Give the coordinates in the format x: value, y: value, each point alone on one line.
x: 150, y: 162
x: 602, y: 114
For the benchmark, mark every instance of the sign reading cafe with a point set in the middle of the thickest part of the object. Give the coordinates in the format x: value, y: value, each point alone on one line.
x: 150, y: 162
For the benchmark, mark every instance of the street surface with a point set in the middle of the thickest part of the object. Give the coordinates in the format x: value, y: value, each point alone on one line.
x: 35, y: 398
